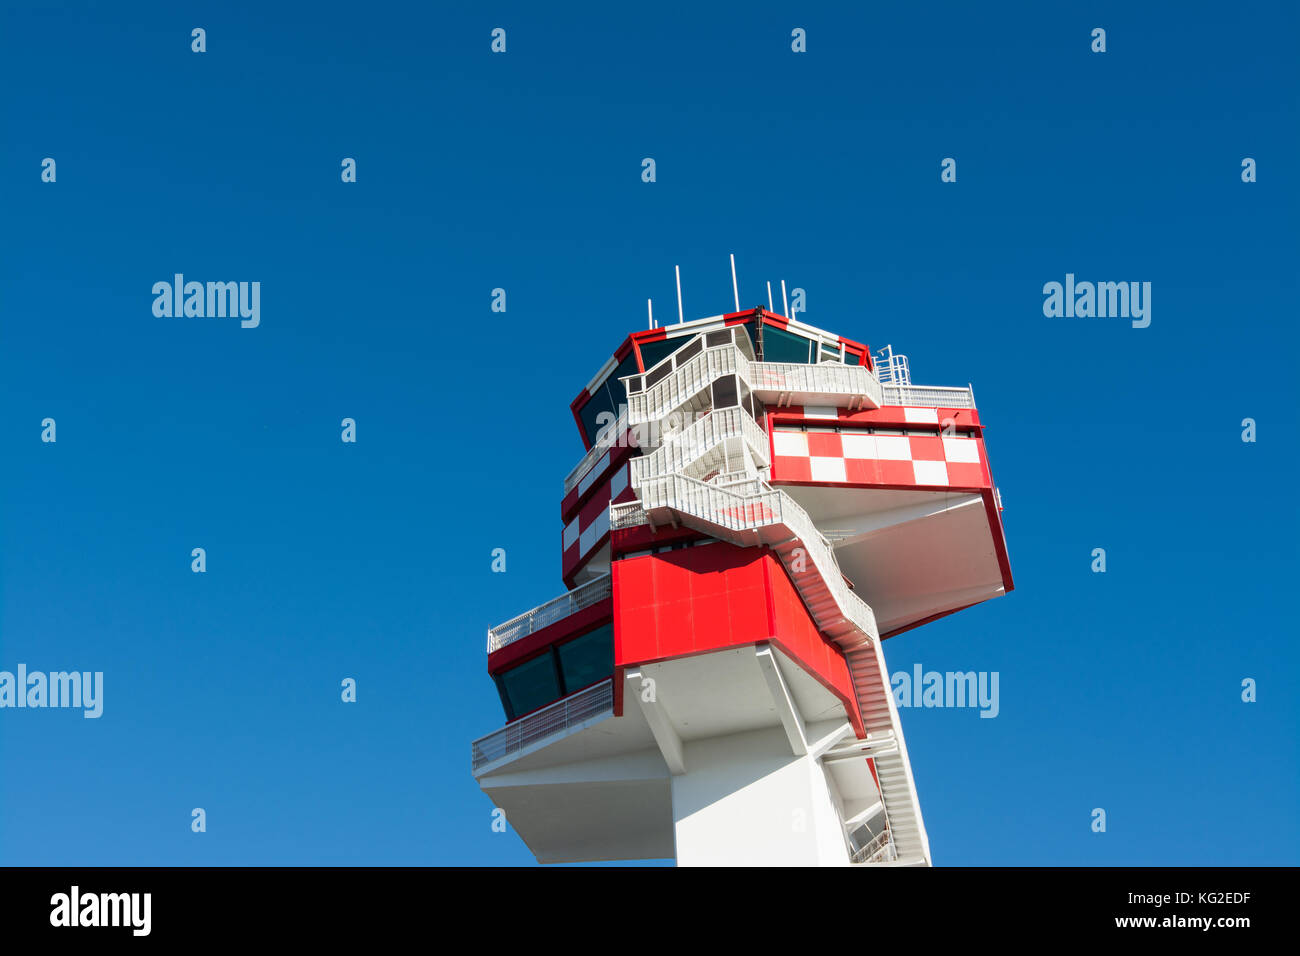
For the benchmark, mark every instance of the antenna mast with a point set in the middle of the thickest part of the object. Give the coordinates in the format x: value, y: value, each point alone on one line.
x: 735, y: 289
x: 680, y: 317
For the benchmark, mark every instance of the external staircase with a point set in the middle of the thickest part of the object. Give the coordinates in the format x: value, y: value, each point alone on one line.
x: 710, y: 475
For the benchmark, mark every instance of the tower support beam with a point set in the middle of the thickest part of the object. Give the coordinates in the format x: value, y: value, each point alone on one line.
x: 670, y: 745
x: 785, y: 707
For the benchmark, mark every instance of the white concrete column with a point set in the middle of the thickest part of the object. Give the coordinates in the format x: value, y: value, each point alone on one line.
x: 745, y: 800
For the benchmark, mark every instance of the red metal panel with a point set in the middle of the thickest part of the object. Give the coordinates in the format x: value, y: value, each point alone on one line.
x: 619, y: 453
x: 896, y: 473
x: 966, y: 475
x: 598, y: 502
x: 792, y: 469
x: 575, y: 559
x: 891, y: 415
x: 689, y: 601
x: 702, y: 599
x: 861, y: 471
x: 795, y: 633
x: 640, y: 537
x: 576, y: 404
x: 825, y: 445
x: 999, y: 538
x: 926, y: 448
x: 920, y: 448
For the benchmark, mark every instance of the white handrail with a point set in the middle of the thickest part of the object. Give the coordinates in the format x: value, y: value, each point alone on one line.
x: 928, y: 396
x: 892, y: 368
x: 735, y: 335
x: 552, y: 719
x: 685, y: 382
x: 877, y: 850
x: 825, y: 379
x: 545, y: 614
x: 829, y: 382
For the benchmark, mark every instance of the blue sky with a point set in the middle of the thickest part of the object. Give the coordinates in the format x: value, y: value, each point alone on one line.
x: 522, y: 171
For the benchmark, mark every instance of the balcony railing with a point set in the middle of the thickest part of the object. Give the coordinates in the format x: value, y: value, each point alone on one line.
x: 829, y: 379
x: 682, y: 383
x: 928, y: 396
x: 891, y: 368
x: 734, y: 336
x: 553, y: 719
x: 546, y: 614
x: 879, y: 850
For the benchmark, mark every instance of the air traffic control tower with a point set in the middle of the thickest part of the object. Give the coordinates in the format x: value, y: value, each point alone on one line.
x: 760, y: 506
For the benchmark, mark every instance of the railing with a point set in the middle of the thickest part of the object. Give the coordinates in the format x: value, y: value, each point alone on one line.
x: 739, y: 482
x: 612, y: 435
x: 892, y: 369
x: 712, y: 504
x: 928, y: 396
x: 733, y: 335
x: 683, y: 383
x: 725, y: 509
x: 630, y: 514
x: 692, y: 377
x: 880, y: 849
x: 681, y: 379
x: 725, y: 478
x: 545, y: 614
x: 826, y: 379
x: 744, y: 510
x: 557, y: 717
x: 687, y: 447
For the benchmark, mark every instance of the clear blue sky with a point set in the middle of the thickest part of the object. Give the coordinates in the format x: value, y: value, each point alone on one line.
x: 1118, y: 690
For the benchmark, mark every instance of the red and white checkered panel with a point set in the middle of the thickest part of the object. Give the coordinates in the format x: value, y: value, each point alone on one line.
x: 897, y: 415
x: 599, y: 470
x: 859, y: 458
x: 591, y: 523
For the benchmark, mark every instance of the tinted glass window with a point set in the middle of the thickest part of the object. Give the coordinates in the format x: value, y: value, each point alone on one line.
x: 530, y: 685
x: 587, y: 659
x: 658, y: 375
x: 590, y: 413
x: 625, y: 367
x: 652, y: 353
x: 751, y: 333
x: 852, y: 359
x: 782, y: 346
x: 725, y: 394
x: 695, y: 348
